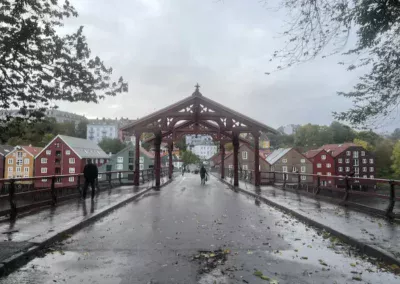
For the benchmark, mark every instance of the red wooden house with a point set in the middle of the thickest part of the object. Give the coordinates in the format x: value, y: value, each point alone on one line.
x: 66, y: 155
x: 323, y: 164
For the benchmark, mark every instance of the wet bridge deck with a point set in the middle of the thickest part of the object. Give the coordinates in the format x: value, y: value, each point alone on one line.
x: 159, y: 239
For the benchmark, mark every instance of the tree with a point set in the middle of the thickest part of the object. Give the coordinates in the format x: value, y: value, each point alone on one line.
x: 111, y: 145
x: 46, y: 139
x: 396, y: 134
x: 181, y: 144
x: 39, y: 66
x: 81, y: 129
x: 66, y: 128
x: 396, y: 160
x: 322, y: 28
x: 189, y: 158
x: 383, y: 153
x: 341, y: 133
x: 363, y: 144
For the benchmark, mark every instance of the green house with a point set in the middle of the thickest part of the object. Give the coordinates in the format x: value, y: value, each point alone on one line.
x: 124, y: 160
x: 176, y: 162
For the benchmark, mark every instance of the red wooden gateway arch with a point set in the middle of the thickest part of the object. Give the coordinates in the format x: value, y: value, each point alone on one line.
x: 196, y: 114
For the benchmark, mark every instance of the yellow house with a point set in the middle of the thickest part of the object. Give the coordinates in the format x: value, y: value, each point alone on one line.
x: 20, y: 162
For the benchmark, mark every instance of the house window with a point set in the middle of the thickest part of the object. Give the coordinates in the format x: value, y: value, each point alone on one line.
x: 355, y: 154
x: 340, y: 169
x: 48, y: 152
x: 19, y: 162
x: 167, y: 164
x: 244, y: 155
x: 102, y: 161
x: 120, y: 175
x: 26, y: 170
x: 356, y: 171
x: 119, y: 166
x: 340, y: 160
x: 371, y: 161
x: 18, y: 169
x: 141, y: 167
x: 10, y: 169
x: 363, y: 153
x: 230, y: 167
x: 284, y: 169
x: 364, y: 169
x: 284, y: 161
x: 328, y: 165
x: 371, y: 176
x: 348, y: 153
x: 19, y: 154
x: 294, y: 169
x: 43, y: 160
x: 67, y: 152
x: 364, y: 161
x: 71, y: 179
x: 43, y: 170
x: 347, y: 161
x: 371, y: 169
x: 328, y: 173
x: 130, y: 153
x: 347, y: 169
x: 245, y: 167
x: 303, y: 177
x: 71, y: 170
x: 319, y: 165
x: 72, y: 160
x: 303, y: 169
x: 323, y: 157
x: 26, y: 161
x: 57, y: 145
x: 44, y: 179
x: 319, y: 173
x: 10, y: 161
x: 356, y: 163
x: 120, y: 159
x: 365, y: 176
x: 302, y: 161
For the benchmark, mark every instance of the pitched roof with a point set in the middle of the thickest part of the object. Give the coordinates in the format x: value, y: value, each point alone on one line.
x: 5, y: 149
x: 336, y: 149
x: 312, y: 153
x: 147, y: 153
x: 85, y: 149
x: 260, y: 153
x: 34, y: 151
x: 277, y: 154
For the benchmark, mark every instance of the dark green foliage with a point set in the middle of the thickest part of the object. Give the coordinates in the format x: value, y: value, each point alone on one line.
x: 322, y: 28
x: 188, y: 158
x: 39, y: 66
x: 111, y: 145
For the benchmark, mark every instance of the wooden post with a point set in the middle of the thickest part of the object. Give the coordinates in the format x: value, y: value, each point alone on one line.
x: 222, y: 149
x: 298, y: 180
x: 11, y: 198
x: 392, y: 199
x: 78, y: 185
x: 256, y: 136
x: 318, y: 185
x: 284, y: 180
x: 137, y: 160
x: 235, y: 142
x: 347, y: 188
x: 119, y: 178
x: 157, y: 158
x: 53, y: 190
x: 170, y: 148
x: 109, y: 179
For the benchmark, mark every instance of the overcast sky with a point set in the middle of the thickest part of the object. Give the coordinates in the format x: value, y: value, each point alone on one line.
x: 164, y: 47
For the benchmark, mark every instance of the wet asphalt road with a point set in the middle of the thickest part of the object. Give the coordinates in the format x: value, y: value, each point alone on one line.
x: 157, y: 239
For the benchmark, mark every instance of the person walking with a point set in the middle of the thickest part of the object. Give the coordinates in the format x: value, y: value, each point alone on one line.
x: 90, y: 172
x: 203, y: 173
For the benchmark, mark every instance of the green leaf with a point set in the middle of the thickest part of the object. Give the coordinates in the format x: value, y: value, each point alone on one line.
x: 258, y: 273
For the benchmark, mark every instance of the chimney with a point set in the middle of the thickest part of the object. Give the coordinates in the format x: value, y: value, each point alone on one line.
x: 110, y: 154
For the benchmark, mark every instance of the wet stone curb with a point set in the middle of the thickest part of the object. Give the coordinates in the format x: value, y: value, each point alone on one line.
x: 369, y: 250
x: 23, y: 257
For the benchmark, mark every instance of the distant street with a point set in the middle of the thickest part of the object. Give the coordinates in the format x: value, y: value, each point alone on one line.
x: 188, y: 233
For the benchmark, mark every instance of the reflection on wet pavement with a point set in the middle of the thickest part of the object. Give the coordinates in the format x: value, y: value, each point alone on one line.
x: 157, y: 240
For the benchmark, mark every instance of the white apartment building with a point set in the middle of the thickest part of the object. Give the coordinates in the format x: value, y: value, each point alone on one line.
x: 97, y: 131
x: 205, y: 152
x: 192, y: 140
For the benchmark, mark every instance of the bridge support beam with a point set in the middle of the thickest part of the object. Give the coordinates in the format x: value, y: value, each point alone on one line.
x: 235, y: 142
x: 170, y: 165
x: 256, y: 159
x: 137, y: 159
x: 157, y: 158
x: 222, y: 150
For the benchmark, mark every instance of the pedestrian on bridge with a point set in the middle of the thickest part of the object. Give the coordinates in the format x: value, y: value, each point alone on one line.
x: 203, y: 173
x: 90, y: 172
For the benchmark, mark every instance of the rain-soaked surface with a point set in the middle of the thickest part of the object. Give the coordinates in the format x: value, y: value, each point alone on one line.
x: 187, y: 233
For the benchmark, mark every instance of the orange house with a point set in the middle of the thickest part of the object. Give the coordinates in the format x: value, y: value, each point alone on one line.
x: 20, y: 162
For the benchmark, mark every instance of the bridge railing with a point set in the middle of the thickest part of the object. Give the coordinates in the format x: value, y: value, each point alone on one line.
x: 372, y: 193
x: 23, y: 194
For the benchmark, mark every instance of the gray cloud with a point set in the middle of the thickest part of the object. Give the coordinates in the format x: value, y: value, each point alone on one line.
x: 163, y: 47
